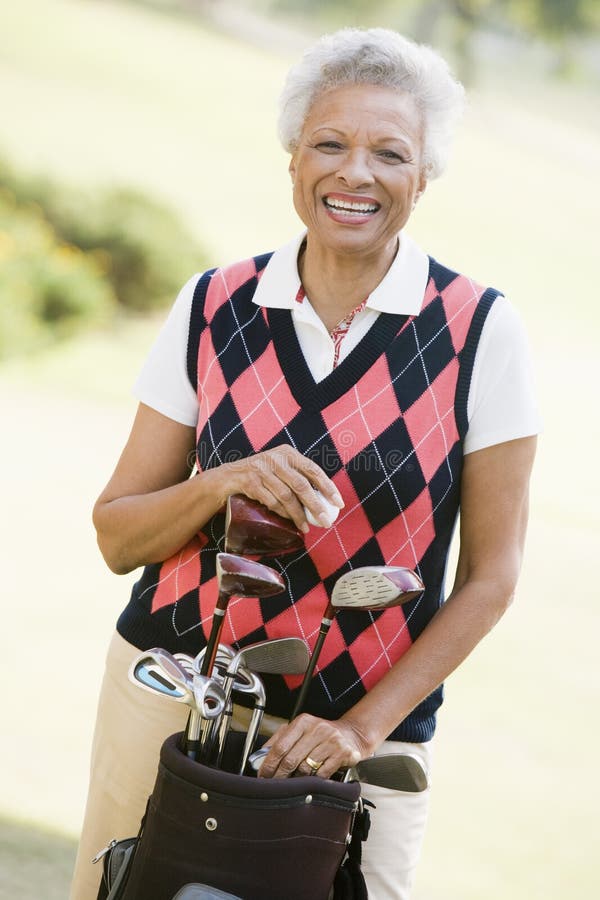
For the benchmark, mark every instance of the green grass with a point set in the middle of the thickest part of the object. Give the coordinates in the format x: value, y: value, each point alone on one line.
x: 101, y: 92
x: 34, y: 861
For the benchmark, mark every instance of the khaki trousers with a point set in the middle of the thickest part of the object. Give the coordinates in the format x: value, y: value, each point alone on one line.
x: 130, y: 729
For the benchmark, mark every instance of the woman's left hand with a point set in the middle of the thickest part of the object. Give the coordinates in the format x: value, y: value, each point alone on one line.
x: 329, y: 746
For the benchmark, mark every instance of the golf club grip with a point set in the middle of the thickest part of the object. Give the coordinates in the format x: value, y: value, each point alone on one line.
x: 325, y: 626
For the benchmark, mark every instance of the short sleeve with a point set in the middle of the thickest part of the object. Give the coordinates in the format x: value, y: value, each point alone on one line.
x: 502, y: 404
x: 163, y: 382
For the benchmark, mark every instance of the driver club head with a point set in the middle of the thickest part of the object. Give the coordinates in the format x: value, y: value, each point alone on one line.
x: 369, y: 588
x: 253, y: 529
x: 376, y: 587
x: 241, y: 577
x: 244, y: 578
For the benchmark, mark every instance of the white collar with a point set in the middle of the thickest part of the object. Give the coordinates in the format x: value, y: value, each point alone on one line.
x: 400, y: 291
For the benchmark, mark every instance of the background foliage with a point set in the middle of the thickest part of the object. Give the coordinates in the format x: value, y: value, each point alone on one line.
x: 69, y: 256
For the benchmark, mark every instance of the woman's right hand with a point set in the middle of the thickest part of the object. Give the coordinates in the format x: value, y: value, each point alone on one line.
x: 151, y: 508
x: 284, y: 481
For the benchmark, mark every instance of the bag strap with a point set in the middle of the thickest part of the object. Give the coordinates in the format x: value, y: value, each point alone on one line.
x: 349, y: 881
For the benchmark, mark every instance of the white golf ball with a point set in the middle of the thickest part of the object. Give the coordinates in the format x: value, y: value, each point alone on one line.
x: 331, y: 510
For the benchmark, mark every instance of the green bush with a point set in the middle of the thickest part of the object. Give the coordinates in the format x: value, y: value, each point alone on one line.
x: 68, y: 258
x: 48, y: 289
x: 146, y: 252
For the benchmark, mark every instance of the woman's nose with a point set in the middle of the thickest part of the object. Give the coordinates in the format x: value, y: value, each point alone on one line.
x: 354, y: 170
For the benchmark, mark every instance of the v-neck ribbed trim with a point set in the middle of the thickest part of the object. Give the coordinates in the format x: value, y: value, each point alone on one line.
x: 312, y: 395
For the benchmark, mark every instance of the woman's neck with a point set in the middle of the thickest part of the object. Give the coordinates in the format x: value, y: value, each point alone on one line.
x: 336, y: 283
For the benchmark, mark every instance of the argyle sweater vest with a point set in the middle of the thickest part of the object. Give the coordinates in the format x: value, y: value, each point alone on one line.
x: 386, y: 425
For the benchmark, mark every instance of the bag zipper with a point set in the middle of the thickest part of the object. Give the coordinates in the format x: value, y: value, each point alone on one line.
x: 105, y: 850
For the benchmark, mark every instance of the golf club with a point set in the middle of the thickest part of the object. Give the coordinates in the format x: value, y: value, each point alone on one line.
x: 250, y: 683
x: 225, y: 654
x: 397, y: 771
x: 198, y: 727
x: 275, y: 657
x: 170, y: 665
x: 149, y: 675
x: 242, y: 578
x: 186, y: 661
x: 369, y: 588
x: 253, y: 529
x: 158, y: 671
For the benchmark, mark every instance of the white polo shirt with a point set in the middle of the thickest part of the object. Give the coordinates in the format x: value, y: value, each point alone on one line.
x: 501, y: 404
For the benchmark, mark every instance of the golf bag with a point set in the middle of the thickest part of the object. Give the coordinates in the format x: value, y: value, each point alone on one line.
x: 253, y: 838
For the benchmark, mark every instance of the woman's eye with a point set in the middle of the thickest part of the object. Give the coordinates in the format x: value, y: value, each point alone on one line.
x: 329, y: 146
x: 391, y: 155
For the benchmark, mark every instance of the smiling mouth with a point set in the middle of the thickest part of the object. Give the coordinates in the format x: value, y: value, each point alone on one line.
x: 351, y: 207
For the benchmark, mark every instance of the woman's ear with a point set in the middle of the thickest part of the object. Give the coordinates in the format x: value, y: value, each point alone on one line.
x: 420, y: 188
x: 292, y: 170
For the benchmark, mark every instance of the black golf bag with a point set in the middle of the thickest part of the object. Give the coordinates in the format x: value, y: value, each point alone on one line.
x: 253, y: 838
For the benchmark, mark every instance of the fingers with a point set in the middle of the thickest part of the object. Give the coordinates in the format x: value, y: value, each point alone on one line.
x: 284, y: 480
x: 310, y: 746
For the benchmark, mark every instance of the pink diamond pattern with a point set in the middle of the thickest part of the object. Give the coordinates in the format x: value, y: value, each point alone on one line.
x: 178, y: 575
x: 263, y: 405
x: 431, y: 421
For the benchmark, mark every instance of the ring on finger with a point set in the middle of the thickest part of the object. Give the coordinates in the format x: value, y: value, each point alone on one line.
x: 313, y: 764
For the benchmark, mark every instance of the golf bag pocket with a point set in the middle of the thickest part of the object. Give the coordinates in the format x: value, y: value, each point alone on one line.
x: 260, y: 839
x: 116, y: 862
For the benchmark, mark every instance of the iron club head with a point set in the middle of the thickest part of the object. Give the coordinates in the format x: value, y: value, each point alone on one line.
x: 209, y: 697
x: 397, y: 771
x: 275, y: 657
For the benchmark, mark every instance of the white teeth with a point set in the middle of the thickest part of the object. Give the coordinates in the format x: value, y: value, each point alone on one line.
x: 351, y: 206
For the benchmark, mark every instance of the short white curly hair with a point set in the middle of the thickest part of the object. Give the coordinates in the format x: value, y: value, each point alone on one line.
x: 382, y: 57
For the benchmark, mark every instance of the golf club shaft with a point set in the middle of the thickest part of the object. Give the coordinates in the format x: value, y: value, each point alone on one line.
x: 212, y: 645
x: 191, y: 738
x: 197, y: 727
x: 224, y: 727
x: 326, y: 623
x: 253, y: 729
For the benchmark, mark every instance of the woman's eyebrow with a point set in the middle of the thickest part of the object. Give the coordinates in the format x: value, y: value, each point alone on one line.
x: 404, y: 140
x: 328, y: 128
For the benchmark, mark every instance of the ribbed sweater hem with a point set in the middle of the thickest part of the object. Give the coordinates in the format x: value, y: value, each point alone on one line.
x: 140, y: 630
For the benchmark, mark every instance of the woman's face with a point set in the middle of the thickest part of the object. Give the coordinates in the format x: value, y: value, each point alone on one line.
x: 357, y: 171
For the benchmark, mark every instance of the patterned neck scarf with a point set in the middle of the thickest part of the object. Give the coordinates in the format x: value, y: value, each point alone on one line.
x: 339, y: 332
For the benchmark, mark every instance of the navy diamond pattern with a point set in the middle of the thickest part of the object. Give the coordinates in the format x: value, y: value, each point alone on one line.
x: 377, y: 495
x: 220, y: 441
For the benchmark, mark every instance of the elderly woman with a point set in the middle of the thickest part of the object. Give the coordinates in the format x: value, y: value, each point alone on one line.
x: 347, y: 361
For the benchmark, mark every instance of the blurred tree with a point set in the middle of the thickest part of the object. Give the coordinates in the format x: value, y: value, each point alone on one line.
x: 457, y: 21
x: 557, y: 21
x: 468, y: 16
x: 554, y: 20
